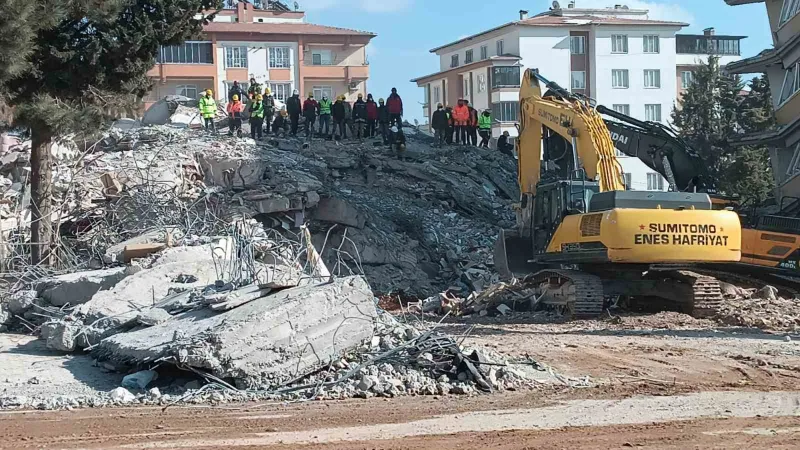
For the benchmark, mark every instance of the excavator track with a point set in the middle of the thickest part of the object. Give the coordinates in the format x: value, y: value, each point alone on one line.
x: 582, y: 297
x: 706, y: 292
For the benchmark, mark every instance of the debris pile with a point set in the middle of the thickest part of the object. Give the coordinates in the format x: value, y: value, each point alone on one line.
x: 760, y: 308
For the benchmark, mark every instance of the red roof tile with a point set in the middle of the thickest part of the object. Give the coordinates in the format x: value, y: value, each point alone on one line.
x: 282, y: 28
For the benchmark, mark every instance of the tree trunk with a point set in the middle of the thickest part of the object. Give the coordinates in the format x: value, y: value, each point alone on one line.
x: 41, y: 196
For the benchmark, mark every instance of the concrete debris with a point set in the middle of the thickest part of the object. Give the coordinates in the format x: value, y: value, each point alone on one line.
x: 79, y: 287
x: 21, y: 301
x: 121, y: 396
x: 139, y: 380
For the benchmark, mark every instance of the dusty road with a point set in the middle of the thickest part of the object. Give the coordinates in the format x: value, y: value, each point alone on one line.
x: 658, y: 381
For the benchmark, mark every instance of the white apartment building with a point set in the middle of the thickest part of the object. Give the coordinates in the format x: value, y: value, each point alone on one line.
x: 617, y: 56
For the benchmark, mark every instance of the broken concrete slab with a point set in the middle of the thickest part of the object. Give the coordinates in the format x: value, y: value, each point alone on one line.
x: 136, y: 251
x: 79, y: 287
x: 264, y: 342
x: 21, y: 301
x: 272, y: 205
x: 115, y: 252
x: 231, y: 171
x: 336, y: 210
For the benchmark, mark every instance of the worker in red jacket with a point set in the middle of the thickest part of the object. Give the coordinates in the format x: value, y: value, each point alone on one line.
x: 395, y: 106
x: 372, y: 116
x: 310, y: 107
x: 472, y: 126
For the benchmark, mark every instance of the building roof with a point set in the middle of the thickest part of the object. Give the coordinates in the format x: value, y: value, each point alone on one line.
x: 549, y: 20
x: 726, y: 36
x: 469, y: 66
x: 742, y: 2
x: 282, y: 28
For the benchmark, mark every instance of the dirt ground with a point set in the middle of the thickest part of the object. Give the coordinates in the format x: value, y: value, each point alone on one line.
x: 656, y: 381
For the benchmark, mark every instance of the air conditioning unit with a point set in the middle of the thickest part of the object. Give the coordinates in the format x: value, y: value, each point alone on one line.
x: 353, y: 85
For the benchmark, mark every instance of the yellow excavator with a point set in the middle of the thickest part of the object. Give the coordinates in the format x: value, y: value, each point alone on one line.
x: 582, y: 238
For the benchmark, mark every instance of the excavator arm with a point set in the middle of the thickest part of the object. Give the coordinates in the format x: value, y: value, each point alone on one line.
x: 573, y: 119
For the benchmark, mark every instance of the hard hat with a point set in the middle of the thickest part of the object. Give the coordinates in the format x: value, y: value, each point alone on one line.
x: 259, y: 97
x: 394, y: 129
x: 360, y: 95
x: 235, y: 97
x: 440, y: 105
x: 342, y: 97
x: 380, y: 100
x: 295, y: 92
x: 268, y: 91
x: 310, y: 95
x: 209, y: 92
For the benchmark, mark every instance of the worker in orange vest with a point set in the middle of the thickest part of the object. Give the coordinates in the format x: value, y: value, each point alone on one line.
x: 461, y: 122
x: 235, y: 110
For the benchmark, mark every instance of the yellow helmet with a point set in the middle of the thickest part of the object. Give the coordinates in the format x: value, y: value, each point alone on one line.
x: 310, y: 95
x: 209, y: 92
x: 360, y: 95
x: 235, y: 97
x: 268, y: 91
x: 259, y: 97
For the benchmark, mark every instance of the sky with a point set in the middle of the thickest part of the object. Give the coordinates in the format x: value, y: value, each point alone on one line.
x: 408, y: 29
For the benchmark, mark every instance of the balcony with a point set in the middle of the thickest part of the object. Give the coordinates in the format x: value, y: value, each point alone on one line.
x: 506, y: 77
x: 165, y: 71
x: 327, y: 72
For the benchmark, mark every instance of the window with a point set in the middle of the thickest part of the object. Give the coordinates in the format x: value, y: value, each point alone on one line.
x: 686, y: 79
x: 791, y: 82
x: 186, y: 90
x: 506, y: 76
x: 321, y: 58
x: 468, y: 57
x: 281, y: 91
x: 437, y: 95
x: 235, y: 57
x: 578, y: 79
x: 577, y: 45
x: 279, y: 57
x: 651, y: 44
x: 652, y: 113
x: 500, y: 49
x: 790, y: 8
x: 484, y: 52
x: 706, y: 45
x: 623, y: 109
x: 655, y: 182
x: 627, y: 177
x: 481, y: 83
x: 454, y: 61
x: 188, y: 53
x: 619, y: 78
x: 466, y: 88
x: 505, y: 111
x: 652, y: 79
x: 320, y: 91
x: 619, y: 43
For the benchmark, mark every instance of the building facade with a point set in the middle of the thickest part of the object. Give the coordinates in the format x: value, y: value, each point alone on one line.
x: 272, y: 44
x: 782, y: 66
x: 617, y: 56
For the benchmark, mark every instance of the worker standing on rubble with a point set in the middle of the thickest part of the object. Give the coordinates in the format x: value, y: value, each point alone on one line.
x: 293, y: 108
x: 472, y: 125
x: 208, y: 108
x: 372, y: 116
x: 383, y: 121
x: 257, y: 117
x: 254, y: 89
x: 348, y: 115
x: 397, y: 140
x: 460, y: 121
x: 485, y: 128
x: 360, y: 116
x: 339, y: 118
x: 395, y: 105
x: 310, y: 107
x: 439, y: 123
x: 325, y: 116
x: 504, y: 146
x: 450, y: 126
x: 235, y: 110
x: 269, y: 108
x: 235, y: 90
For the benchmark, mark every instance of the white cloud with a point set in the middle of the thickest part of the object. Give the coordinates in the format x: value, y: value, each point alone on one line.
x: 371, y: 6
x: 664, y: 10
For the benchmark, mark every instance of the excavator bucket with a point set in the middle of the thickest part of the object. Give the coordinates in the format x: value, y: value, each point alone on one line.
x: 512, y: 255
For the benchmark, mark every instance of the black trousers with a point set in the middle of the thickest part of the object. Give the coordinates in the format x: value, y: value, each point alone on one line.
x: 485, y: 136
x: 341, y: 126
x: 448, y: 134
x: 462, y: 134
x: 235, y: 125
x: 310, y: 125
x: 473, y: 135
x: 295, y: 120
x: 209, y: 124
x: 268, y: 120
x: 441, y: 136
x: 256, y: 127
x: 361, y: 128
x: 371, y: 126
x: 384, y: 130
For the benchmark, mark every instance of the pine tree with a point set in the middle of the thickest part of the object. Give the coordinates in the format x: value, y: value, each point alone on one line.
x: 73, y: 59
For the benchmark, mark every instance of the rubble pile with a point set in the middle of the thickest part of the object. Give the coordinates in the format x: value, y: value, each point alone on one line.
x: 760, y: 308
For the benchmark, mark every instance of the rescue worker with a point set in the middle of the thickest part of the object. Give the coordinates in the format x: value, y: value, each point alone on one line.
x: 339, y: 118
x: 235, y: 110
x: 281, y: 125
x: 372, y: 116
x: 485, y: 128
x: 460, y: 121
x: 348, y: 115
x: 383, y: 120
x: 310, y: 107
x: 360, y: 116
x: 254, y: 89
x: 472, y: 125
x: 257, y: 117
x: 395, y: 105
x: 451, y: 129
x: 504, y: 146
x: 397, y: 140
x: 235, y: 90
x: 439, y: 123
x: 325, y: 116
x: 293, y: 108
x: 269, y: 108
x: 208, y: 108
